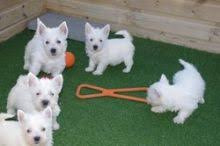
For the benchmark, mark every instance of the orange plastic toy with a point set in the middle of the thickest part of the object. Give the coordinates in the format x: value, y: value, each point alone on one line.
x: 115, y: 93
x: 70, y: 59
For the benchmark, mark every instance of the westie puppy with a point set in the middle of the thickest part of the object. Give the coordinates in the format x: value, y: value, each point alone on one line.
x: 103, y: 51
x: 46, y: 50
x: 30, y: 130
x: 31, y: 94
x: 182, y: 97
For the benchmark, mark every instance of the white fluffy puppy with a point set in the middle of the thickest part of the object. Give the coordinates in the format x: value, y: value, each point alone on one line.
x: 31, y: 94
x: 103, y: 51
x: 30, y: 130
x: 46, y: 50
x: 182, y: 97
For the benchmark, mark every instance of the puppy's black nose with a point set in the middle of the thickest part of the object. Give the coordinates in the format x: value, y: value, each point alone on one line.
x: 45, y: 103
x: 53, y: 50
x: 95, y: 47
x: 37, y: 138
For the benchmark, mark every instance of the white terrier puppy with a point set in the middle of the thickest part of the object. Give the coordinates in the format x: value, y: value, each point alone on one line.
x: 31, y: 94
x: 182, y: 97
x: 30, y: 130
x: 103, y: 51
x: 46, y: 50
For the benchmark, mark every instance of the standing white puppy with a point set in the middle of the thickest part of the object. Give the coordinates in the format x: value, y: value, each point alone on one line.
x: 30, y: 130
x: 103, y: 51
x: 46, y: 50
x: 182, y: 97
x: 31, y: 94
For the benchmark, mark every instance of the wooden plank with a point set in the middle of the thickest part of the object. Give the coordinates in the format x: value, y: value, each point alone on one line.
x: 171, y: 29
x: 202, y: 10
x: 31, y: 5
x: 19, y: 12
x: 12, y: 30
x: 4, y: 4
x: 173, y: 39
x: 176, y: 25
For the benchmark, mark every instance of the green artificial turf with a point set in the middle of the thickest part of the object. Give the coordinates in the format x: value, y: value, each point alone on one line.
x: 109, y: 122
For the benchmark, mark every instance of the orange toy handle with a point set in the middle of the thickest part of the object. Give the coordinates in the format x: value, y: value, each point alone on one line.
x: 111, y: 93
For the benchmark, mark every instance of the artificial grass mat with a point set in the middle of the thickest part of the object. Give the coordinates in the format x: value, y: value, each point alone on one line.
x: 108, y: 122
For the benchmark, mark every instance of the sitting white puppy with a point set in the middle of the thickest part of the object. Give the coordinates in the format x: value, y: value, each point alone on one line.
x: 46, y: 50
x: 182, y: 97
x: 30, y: 130
x: 103, y: 51
x: 31, y: 94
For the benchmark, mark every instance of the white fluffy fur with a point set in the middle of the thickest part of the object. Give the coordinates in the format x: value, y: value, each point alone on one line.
x: 30, y: 93
x: 108, y: 51
x: 27, y: 129
x: 182, y: 97
x: 39, y: 55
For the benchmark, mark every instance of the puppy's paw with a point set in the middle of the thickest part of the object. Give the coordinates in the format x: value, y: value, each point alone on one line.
x: 158, y: 109
x: 178, y: 120
x: 56, y: 126
x: 89, y: 69
x: 98, y: 73
x: 126, y: 70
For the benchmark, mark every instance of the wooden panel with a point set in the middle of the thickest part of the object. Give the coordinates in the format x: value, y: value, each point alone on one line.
x: 4, y: 4
x: 12, y: 30
x: 14, y: 19
x: 173, y: 38
x: 178, y: 30
x: 19, y: 12
x: 177, y: 25
x: 196, y: 9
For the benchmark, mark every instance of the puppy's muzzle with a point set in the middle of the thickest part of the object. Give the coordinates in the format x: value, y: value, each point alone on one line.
x: 53, y: 51
x: 95, y: 47
x: 45, y: 103
x: 37, y: 139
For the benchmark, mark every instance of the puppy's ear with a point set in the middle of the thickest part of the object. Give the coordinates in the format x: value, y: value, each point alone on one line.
x: 21, y: 116
x: 32, y: 80
x: 106, y: 30
x: 47, y: 113
x: 88, y: 28
x: 64, y: 29
x: 58, y: 82
x: 164, y: 79
x: 40, y: 27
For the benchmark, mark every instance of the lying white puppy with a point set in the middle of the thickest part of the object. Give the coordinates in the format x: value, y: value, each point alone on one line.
x: 46, y: 50
x: 30, y: 130
x: 182, y: 97
x: 103, y: 51
x: 31, y: 94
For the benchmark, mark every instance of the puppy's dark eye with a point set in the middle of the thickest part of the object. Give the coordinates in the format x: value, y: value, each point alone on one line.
x: 58, y: 41
x: 43, y: 129
x: 91, y: 40
x: 51, y: 93
x: 47, y: 42
x: 38, y: 93
x: 29, y: 131
x: 100, y: 40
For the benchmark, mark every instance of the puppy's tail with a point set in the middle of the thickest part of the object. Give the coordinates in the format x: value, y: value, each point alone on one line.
x: 4, y: 116
x: 186, y: 64
x: 125, y: 34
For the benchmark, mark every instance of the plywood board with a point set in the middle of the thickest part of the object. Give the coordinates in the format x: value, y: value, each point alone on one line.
x: 19, y: 12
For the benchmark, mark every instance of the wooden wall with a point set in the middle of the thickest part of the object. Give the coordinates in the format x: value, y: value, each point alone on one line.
x: 192, y: 23
x: 14, y: 15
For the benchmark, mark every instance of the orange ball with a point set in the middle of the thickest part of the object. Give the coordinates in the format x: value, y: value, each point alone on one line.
x: 70, y: 59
